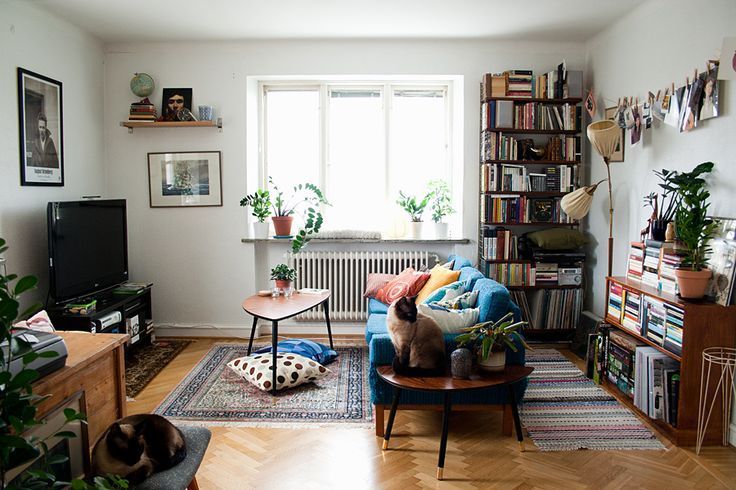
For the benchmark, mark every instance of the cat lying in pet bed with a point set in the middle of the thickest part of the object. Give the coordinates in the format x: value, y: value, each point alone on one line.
x: 138, y: 446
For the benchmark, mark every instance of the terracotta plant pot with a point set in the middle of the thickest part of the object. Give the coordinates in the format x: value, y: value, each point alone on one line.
x: 282, y: 225
x: 692, y: 283
x: 282, y: 283
x: 496, y: 361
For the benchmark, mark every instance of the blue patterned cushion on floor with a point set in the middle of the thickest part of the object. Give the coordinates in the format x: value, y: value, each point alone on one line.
x: 311, y: 350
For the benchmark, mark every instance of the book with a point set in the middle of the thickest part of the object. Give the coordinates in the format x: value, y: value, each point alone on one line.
x: 313, y: 291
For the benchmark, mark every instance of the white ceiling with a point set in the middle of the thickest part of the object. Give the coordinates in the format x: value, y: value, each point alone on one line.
x: 211, y: 20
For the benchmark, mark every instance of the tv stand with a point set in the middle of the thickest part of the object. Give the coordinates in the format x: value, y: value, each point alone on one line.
x: 132, y: 309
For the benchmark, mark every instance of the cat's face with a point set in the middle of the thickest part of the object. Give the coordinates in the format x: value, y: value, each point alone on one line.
x: 125, y: 443
x: 406, y: 309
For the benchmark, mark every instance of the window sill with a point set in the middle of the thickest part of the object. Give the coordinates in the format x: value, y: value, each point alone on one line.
x: 443, y: 241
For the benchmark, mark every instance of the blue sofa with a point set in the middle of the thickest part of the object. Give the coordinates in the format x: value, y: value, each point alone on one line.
x: 494, y: 302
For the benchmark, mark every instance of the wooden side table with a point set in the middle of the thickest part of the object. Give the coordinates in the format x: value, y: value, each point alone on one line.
x: 447, y: 385
x: 281, y: 308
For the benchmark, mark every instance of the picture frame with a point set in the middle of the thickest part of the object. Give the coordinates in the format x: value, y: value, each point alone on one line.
x: 173, y: 101
x: 185, y: 179
x: 41, y: 129
x: 618, y: 155
x: 722, y: 262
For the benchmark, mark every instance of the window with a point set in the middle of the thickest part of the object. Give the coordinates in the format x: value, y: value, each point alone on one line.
x: 361, y: 142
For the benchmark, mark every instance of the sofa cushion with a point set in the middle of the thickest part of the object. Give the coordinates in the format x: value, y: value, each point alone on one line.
x: 459, y: 262
x: 469, y: 275
x: 439, y: 276
x: 408, y: 283
x: 448, y: 292
x: 375, y: 306
x: 374, y: 282
x: 451, y: 321
x: 376, y: 325
x: 493, y: 299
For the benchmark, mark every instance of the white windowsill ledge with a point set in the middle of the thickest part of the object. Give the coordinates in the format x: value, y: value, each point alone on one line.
x: 444, y: 241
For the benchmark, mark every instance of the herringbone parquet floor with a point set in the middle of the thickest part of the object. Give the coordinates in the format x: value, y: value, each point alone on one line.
x: 477, y: 455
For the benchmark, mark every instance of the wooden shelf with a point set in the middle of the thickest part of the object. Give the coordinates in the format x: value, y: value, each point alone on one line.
x: 532, y: 131
x: 654, y: 292
x: 171, y: 124
x: 546, y: 286
x: 526, y: 193
x: 533, y: 162
x: 533, y: 223
x: 571, y: 101
x: 640, y: 337
x: 669, y: 431
x: 508, y: 261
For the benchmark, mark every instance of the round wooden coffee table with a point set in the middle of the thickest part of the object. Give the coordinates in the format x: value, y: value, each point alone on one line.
x: 447, y: 385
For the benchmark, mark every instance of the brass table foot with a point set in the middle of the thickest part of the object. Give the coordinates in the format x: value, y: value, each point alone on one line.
x: 439, y: 473
x: 385, y: 444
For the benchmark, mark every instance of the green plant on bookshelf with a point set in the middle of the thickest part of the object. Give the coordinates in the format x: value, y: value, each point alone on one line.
x: 694, y: 228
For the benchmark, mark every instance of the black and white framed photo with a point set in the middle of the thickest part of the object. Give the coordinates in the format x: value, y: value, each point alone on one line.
x: 41, y: 129
x: 185, y: 179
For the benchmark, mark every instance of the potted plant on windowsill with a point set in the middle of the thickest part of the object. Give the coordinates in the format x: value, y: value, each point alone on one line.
x: 283, y: 275
x: 415, y: 208
x: 260, y: 202
x: 490, y: 339
x: 440, y: 203
x: 694, y: 229
x: 283, y: 209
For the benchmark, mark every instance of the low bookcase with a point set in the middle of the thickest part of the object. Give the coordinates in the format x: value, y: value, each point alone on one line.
x: 704, y: 324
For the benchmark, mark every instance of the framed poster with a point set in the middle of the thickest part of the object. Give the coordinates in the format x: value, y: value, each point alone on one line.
x: 618, y: 155
x: 185, y: 179
x: 41, y: 129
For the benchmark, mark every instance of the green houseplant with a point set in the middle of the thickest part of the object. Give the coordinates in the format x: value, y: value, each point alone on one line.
x: 260, y: 202
x: 441, y: 206
x: 694, y: 228
x: 283, y: 275
x: 415, y: 207
x: 490, y: 339
x: 308, y: 195
x: 663, y: 212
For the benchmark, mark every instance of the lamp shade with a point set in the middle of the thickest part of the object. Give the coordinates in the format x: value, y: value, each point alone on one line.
x: 576, y: 204
x: 605, y: 136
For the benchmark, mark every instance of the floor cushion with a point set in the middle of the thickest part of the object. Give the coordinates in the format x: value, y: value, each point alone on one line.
x: 291, y: 370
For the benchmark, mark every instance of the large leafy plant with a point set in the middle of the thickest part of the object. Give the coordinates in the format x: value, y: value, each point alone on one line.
x: 665, y: 210
x: 19, y: 404
x: 492, y: 336
x: 440, y: 201
x: 260, y: 201
x: 414, y: 206
x: 303, y: 195
x: 694, y: 228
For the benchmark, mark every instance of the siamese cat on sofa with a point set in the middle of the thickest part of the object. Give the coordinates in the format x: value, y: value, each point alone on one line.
x: 418, y: 340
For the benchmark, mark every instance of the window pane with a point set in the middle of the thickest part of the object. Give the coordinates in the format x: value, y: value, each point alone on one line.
x: 292, y: 137
x: 355, y: 160
x: 418, y: 137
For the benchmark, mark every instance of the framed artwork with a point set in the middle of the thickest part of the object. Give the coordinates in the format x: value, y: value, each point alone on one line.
x: 40, y: 123
x: 618, y: 155
x: 722, y: 262
x: 185, y: 179
x: 176, y: 104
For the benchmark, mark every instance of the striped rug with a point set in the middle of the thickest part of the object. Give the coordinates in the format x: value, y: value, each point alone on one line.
x: 565, y: 411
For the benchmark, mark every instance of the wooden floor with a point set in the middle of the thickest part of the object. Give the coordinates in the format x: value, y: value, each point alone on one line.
x: 477, y: 455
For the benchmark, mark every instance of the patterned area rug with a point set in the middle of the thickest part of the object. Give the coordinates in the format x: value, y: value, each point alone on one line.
x: 565, y: 411
x: 146, y: 362
x: 212, y: 394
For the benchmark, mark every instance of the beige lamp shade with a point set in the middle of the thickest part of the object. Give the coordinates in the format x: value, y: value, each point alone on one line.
x: 605, y: 136
x: 576, y: 204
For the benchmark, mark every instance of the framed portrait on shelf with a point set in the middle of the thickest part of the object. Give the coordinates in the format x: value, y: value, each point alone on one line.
x: 185, y: 179
x: 618, y: 155
x: 40, y: 124
x: 177, y: 104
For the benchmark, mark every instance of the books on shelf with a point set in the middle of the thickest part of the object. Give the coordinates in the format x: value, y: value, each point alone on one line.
x: 505, y: 114
x: 510, y: 274
x: 142, y: 111
x: 635, y: 266
x: 631, y: 308
x: 499, y: 146
x: 555, y: 84
x: 620, y: 361
x: 499, y: 244
x: 502, y: 177
x: 652, y: 371
x: 514, y: 209
x: 615, y: 301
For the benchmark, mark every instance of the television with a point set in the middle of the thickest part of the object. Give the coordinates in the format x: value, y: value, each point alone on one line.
x: 88, y: 247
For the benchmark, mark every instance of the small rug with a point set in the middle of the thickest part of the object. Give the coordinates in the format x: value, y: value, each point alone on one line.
x: 145, y: 363
x: 565, y: 411
x: 212, y: 394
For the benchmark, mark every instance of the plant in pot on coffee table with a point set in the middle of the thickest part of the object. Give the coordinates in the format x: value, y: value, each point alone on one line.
x: 489, y: 341
x: 283, y: 275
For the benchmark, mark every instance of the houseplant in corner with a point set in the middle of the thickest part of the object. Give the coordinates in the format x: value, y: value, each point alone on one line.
x: 440, y: 204
x: 415, y: 208
x: 260, y: 201
x: 490, y: 339
x: 283, y: 275
x: 694, y: 229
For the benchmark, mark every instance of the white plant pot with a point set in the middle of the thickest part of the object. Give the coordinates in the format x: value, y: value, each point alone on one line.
x: 496, y: 362
x: 260, y: 230
x: 441, y: 231
x: 415, y: 230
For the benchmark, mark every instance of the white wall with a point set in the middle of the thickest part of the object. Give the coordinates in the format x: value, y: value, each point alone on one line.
x: 201, y: 270
x: 658, y: 43
x: 42, y: 43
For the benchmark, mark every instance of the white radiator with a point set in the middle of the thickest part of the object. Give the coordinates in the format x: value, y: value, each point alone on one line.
x: 345, y: 273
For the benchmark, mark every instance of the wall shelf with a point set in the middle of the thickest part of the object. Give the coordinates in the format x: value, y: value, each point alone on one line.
x: 533, y: 162
x: 172, y: 124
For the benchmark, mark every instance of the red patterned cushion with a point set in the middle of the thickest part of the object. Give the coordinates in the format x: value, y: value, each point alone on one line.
x: 375, y: 282
x: 408, y: 283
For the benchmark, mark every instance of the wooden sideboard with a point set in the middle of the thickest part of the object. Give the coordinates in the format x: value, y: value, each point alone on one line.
x: 96, y: 368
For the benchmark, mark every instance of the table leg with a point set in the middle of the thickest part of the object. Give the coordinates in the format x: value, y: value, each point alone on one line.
x: 274, y: 348
x: 326, y: 307
x: 252, y: 333
x: 445, y: 430
x: 391, y: 417
x: 517, y: 420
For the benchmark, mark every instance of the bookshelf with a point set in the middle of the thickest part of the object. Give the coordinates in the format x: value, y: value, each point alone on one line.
x: 704, y: 324
x: 520, y: 190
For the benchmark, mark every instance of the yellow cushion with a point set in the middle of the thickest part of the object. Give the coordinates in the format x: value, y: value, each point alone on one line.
x: 439, y: 277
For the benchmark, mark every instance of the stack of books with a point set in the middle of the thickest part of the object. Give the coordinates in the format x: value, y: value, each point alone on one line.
x: 632, y: 305
x: 653, y: 314
x: 499, y: 244
x: 494, y: 85
x: 620, y: 361
x: 635, y: 267
x: 673, y: 333
x: 142, y: 111
x: 519, y: 83
x: 615, y: 301
x: 670, y: 260
x: 656, y: 384
x: 650, y: 271
x: 563, y: 148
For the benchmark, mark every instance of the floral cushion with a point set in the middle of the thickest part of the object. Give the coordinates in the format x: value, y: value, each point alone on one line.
x: 292, y: 370
x: 408, y: 283
x: 465, y: 300
x: 448, y: 292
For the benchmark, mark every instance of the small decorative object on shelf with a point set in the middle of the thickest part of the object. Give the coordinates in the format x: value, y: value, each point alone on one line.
x: 461, y: 363
x: 142, y: 84
x: 174, y: 100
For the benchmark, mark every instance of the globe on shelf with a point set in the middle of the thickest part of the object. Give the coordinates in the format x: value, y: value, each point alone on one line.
x: 142, y: 84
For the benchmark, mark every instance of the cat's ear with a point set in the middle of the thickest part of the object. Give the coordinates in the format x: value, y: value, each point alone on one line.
x: 412, y: 299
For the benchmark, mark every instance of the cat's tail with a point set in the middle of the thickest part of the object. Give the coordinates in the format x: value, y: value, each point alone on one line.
x: 179, y: 456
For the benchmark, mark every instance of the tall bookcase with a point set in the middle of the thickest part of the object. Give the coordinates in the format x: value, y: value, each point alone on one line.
x: 520, y: 193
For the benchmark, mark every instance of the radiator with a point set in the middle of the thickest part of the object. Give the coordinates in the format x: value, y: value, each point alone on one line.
x: 345, y: 273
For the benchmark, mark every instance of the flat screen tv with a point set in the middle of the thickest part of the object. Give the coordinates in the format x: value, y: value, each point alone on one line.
x: 88, y: 247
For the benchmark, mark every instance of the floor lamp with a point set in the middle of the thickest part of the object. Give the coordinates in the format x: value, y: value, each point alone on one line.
x: 605, y: 136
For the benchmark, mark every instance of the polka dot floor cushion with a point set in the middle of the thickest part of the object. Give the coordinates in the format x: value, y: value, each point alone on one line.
x: 293, y: 370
